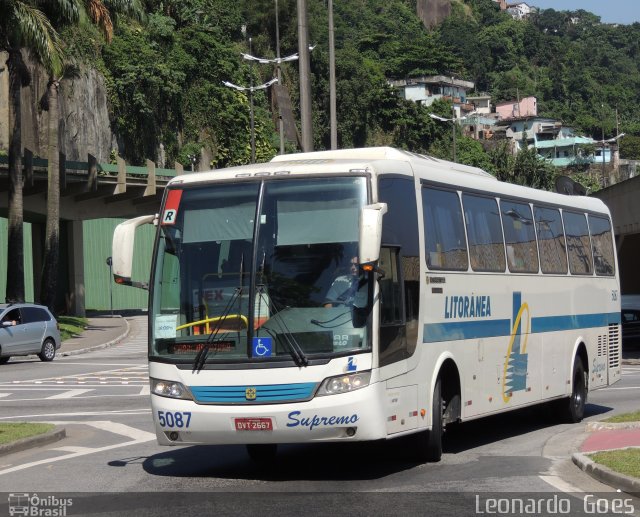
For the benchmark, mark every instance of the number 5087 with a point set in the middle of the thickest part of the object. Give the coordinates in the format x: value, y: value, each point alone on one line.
x: 179, y: 419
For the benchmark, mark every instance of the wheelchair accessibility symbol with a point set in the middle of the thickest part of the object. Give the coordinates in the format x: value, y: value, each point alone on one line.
x: 262, y: 346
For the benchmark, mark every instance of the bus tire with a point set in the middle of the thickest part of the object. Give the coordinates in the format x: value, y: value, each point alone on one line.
x: 262, y: 452
x: 5, y: 359
x: 434, y: 437
x: 572, y: 409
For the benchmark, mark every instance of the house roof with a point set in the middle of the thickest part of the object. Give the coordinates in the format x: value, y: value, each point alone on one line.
x: 564, y: 142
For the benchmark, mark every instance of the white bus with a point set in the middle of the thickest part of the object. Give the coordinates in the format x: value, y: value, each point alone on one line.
x: 468, y: 297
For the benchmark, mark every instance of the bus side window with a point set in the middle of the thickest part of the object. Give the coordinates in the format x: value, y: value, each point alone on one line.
x: 400, y: 251
x: 602, y: 243
x: 520, y: 237
x: 390, y: 288
x: 580, y: 259
x: 553, y: 248
x: 445, y: 242
x: 484, y: 231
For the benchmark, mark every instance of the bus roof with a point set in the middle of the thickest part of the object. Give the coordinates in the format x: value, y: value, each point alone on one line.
x: 380, y: 153
x: 387, y: 160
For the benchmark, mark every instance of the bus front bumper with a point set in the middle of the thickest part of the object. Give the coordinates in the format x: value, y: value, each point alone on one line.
x: 355, y: 416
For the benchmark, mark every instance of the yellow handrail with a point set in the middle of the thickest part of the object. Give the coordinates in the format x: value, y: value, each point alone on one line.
x: 241, y: 317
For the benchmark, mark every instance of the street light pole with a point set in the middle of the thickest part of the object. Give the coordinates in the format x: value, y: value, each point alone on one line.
x: 279, y: 76
x: 332, y: 81
x: 453, y: 128
x: 305, y: 78
x: 253, y: 127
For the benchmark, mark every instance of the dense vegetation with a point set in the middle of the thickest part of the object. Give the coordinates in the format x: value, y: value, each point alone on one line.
x: 165, y: 74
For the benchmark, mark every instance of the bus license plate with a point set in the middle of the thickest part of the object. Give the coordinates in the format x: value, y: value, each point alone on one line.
x: 253, y: 424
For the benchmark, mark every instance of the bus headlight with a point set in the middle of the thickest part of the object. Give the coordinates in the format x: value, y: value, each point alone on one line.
x: 170, y: 389
x: 344, y: 383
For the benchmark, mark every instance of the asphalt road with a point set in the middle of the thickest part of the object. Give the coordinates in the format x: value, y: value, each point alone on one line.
x: 110, y: 462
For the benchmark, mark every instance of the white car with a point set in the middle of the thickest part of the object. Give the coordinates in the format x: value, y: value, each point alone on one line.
x: 26, y: 328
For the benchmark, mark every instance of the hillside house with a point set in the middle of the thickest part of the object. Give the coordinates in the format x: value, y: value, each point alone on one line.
x: 520, y: 10
x: 426, y: 90
x: 526, y: 107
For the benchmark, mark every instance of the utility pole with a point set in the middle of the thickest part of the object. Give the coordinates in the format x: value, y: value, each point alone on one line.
x: 305, y: 78
x: 453, y: 128
x: 603, y: 179
x: 253, y: 126
x: 279, y: 76
x: 332, y: 81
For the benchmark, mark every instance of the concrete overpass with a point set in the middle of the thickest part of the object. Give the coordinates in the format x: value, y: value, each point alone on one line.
x: 623, y: 199
x: 88, y: 190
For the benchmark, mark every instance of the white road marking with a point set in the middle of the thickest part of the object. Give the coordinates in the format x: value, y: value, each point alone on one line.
x: 122, y: 429
x: 4, y: 395
x: 103, y: 396
x: 109, y: 426
x: 71, y: 448
x: 71, y: 455
x: 68, y: 394
x: 81, y: 413
x: 15, y: 389
x: 146, y: 390
x: 626, y: 388
x: 559, y: 484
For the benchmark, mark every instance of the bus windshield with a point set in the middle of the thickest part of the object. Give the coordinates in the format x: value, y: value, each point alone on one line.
x: 260, y: 271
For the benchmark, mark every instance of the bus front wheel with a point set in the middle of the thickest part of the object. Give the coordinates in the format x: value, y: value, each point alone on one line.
x: 429, y: 443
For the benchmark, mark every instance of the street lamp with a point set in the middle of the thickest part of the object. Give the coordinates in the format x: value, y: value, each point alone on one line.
x: 278, y: 62
x: 609, y: 141
x: 251, y: 89
x: 453, y: 125
x: 192, y: 159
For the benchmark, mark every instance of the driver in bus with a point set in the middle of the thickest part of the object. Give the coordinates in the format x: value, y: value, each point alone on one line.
x: 345, y: 289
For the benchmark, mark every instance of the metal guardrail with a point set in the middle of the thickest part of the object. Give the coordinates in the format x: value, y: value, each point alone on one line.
x: 71, y: 165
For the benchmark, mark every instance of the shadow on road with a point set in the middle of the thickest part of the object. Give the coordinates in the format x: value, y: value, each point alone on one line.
x: 341, y: 461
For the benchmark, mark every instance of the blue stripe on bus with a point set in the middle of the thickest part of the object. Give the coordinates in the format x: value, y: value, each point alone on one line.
x: 434, y: 332
x: 573, y: 322
x: 458, y: 330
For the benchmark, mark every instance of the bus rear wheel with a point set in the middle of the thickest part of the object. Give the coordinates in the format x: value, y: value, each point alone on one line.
x: 262, y: 452
x: 572, y: 409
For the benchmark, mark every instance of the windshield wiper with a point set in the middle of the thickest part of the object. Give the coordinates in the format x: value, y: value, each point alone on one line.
x: 294, y: 349
x: 201, y: 356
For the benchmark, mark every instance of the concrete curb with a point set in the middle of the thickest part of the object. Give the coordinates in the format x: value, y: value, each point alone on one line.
x: 101, y: 346
x: 56, y: 434
x: 611, y: 426
x: 605, y: 475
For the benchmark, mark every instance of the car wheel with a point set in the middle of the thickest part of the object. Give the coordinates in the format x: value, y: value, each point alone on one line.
x: 48, y: 351
x: 5, y: 360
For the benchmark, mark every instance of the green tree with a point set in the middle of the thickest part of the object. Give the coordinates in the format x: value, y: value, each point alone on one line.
x: 23, y: 25
x: 102, y: 15
x: 630, y: 147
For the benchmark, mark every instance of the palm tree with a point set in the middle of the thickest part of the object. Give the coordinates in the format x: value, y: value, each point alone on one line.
x: 100, y: 14
x: 22, y: 26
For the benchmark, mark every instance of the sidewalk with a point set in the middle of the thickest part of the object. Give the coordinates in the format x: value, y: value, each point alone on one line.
x: 101, y: 332
x: 609, y: 436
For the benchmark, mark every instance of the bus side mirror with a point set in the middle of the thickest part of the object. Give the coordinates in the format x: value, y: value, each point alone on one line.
x: 122, y: 250
x: 371, y: 233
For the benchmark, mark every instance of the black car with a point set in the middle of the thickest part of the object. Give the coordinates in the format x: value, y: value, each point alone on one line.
x: 630, y: 327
